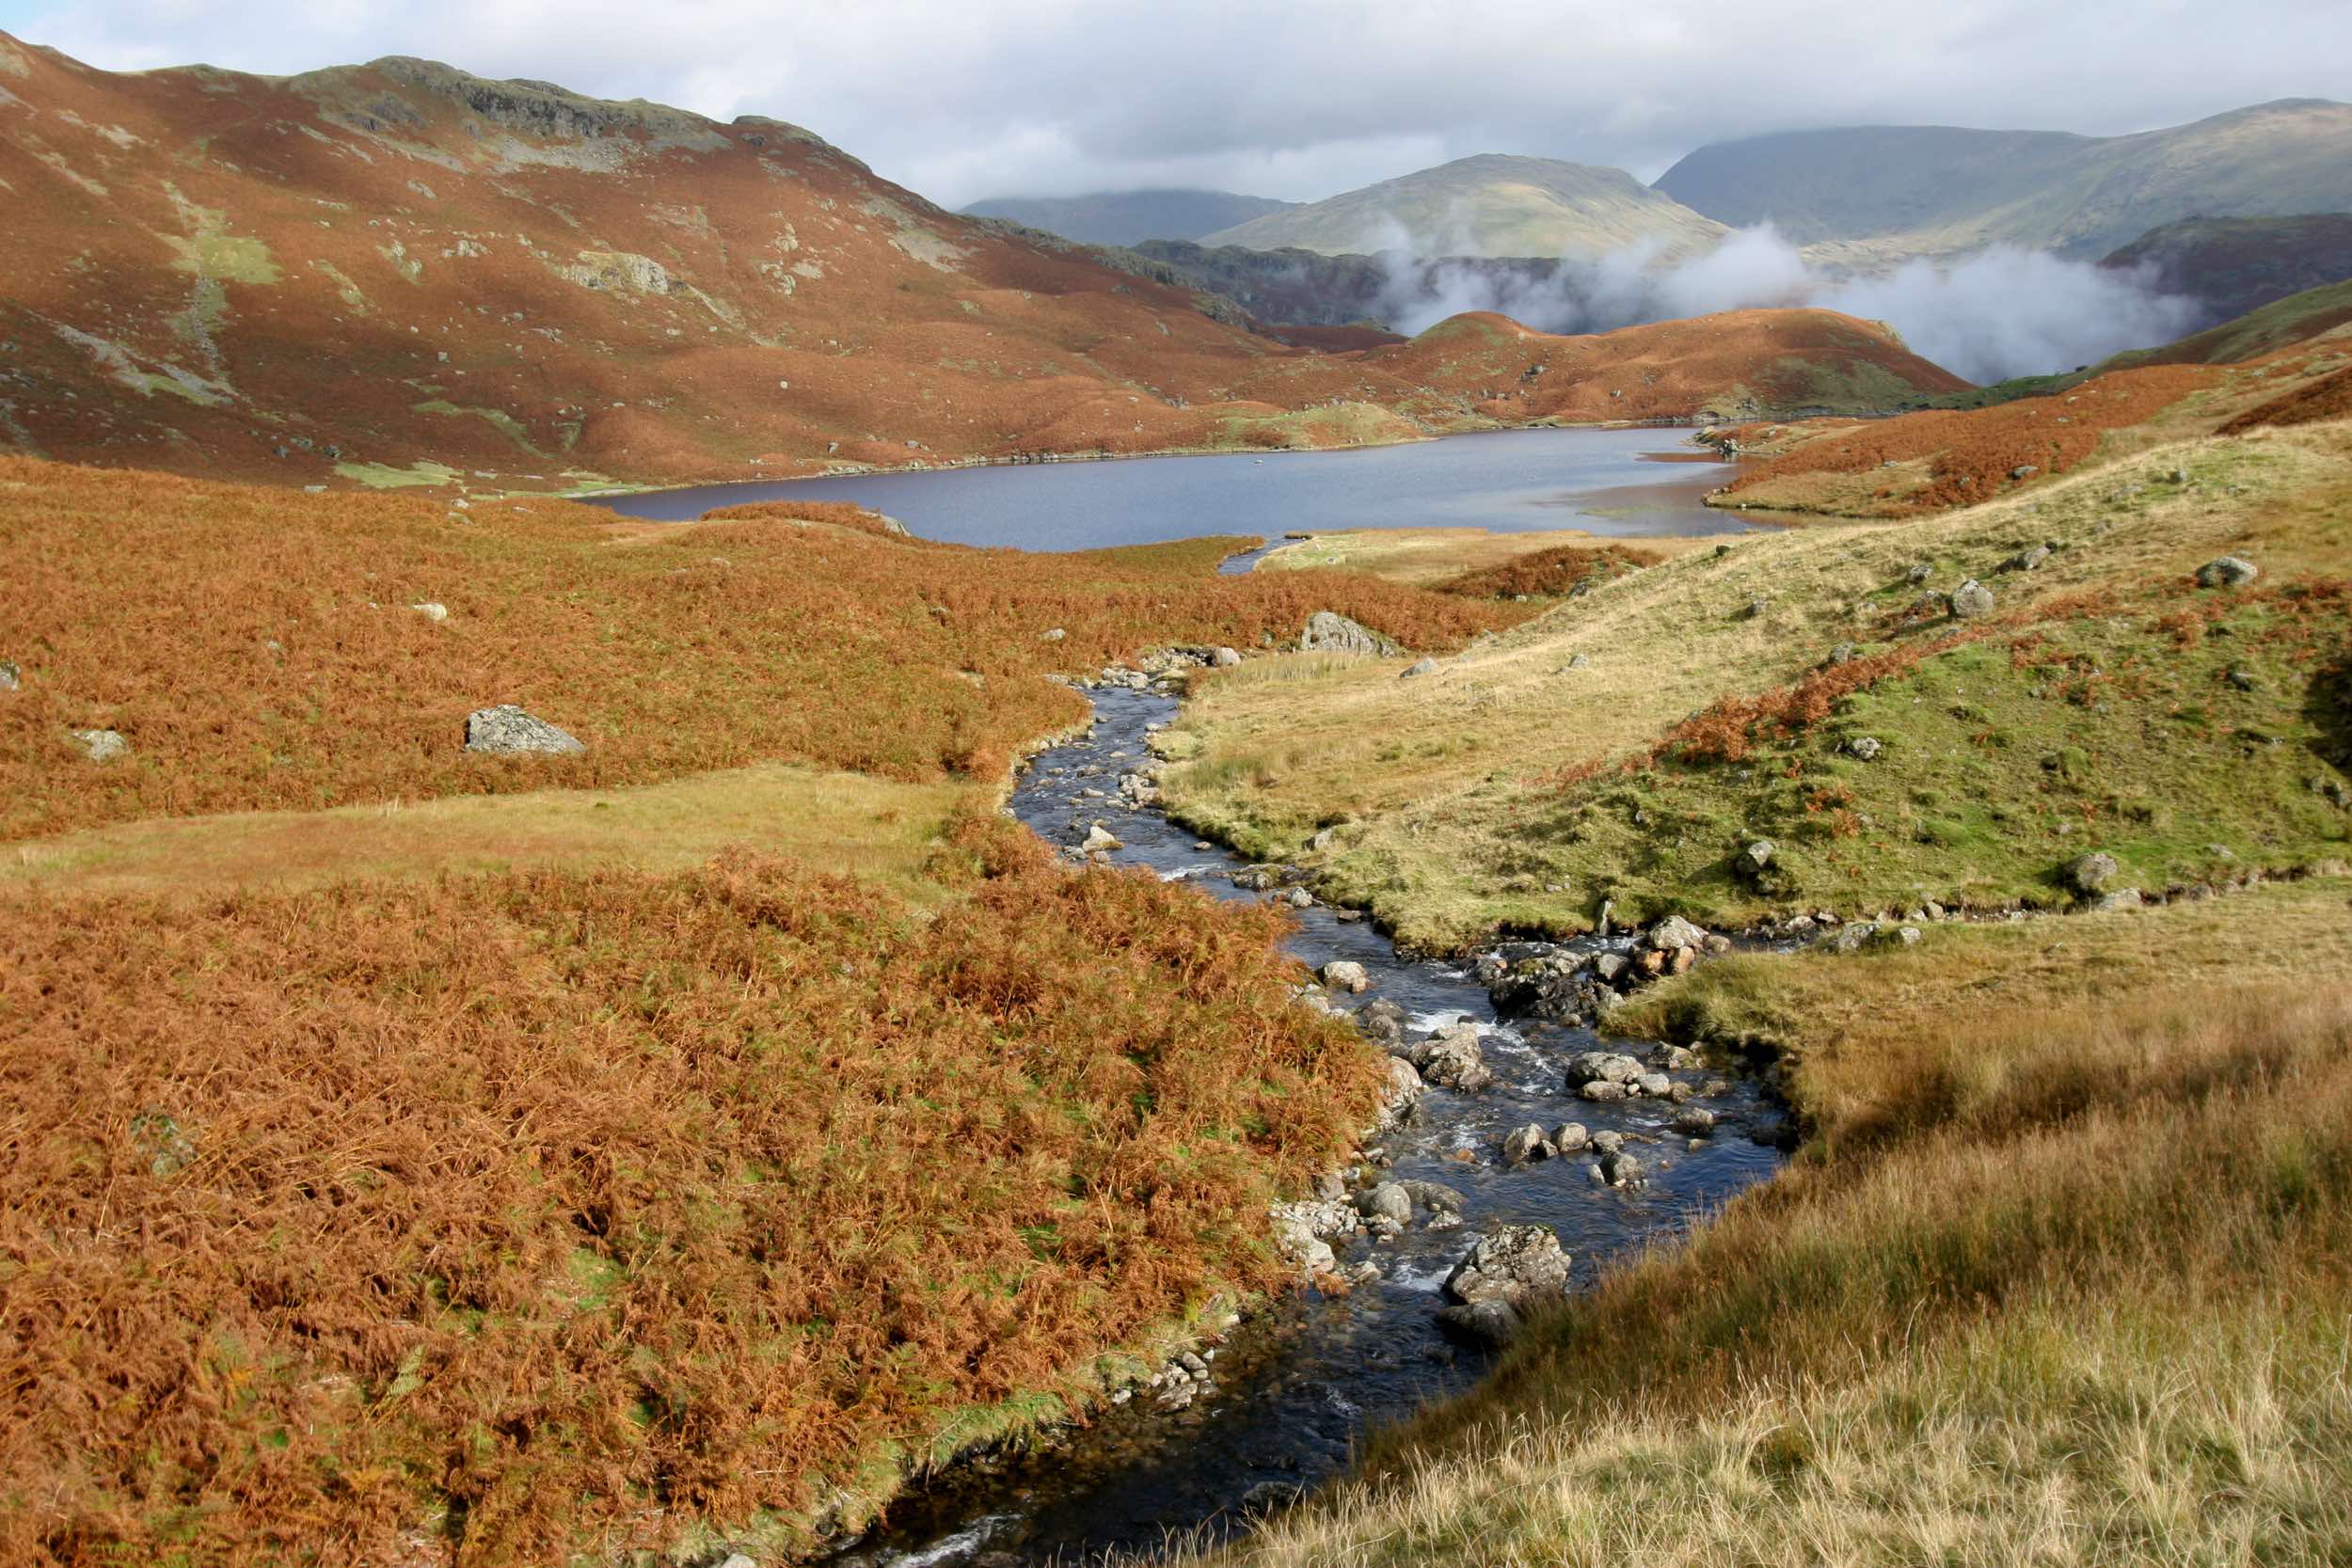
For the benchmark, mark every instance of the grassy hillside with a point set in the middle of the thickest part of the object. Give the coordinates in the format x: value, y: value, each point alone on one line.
x: 1628, y: 743
x: 2009, y: 438
x: 1489, y: 205
x: 2237, y: 266
x: 2057, y: 1279
x: 1869, y: 196
x: 1128, y: 217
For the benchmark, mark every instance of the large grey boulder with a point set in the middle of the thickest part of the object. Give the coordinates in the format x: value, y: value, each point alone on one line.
x: 1328, y: 633
x: 1522, y: 1264
x: 1674, y: 931
x: 1452, y: 1057
x: 2229, y: 571
x: 1970, y: 600
x: 508, y: 731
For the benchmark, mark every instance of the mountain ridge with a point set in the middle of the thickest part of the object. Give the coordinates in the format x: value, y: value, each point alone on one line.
x: 1868, y: 196
x: 1490, y: 204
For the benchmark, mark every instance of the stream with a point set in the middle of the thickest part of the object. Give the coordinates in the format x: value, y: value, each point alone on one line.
x: 1298, y: 1386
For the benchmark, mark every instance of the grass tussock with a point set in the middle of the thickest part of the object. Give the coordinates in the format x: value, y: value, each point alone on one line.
x: 1551, y: 574
x: 258, y: 649
x: 2060, y: 1279
x: 510, y: 1217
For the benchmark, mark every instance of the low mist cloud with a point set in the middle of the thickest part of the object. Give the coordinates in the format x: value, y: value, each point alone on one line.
x: 1997, y: 314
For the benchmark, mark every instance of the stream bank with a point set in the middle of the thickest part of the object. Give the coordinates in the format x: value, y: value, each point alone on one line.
x: 1281, y: 1404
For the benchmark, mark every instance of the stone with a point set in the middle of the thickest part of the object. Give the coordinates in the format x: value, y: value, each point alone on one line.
x: 1336, y: 634
x: 2026, y: 561
x: 1602, y: 1066
x: 437, y: 613
x: 1424, y: 666
x: 1617, y: 1167
x: 1493, y: 1323
x: 1345, y: 974
x: 2087, y: 874
x: 1570, y: 1137
x: 1756, y: 609
x: 1527, y: 1145
x: 1053, y: 635
x: 1404, y: 1088
x: 1655, y: 1085
x: 1298, y: 898
x: 736, y: 1560
x: 1522, y: 1264
x: 1601, y: 1090
x: 2024, y: 470
x: 1607, y: 1141
x: 1693, y: 1121
x: 1971, y: 601
x: 11, y: 677
x: 1866, y: 746
x: 508, y: 731
x: 1845, y: 653
x: 2228, y: 571
x: 1578, y: 662
x: 1673, y: 933
x: 102, y: 745
x: 1225, y: 658
x: 1388, y: 1201
x: 1757, y: 856
x: 1920, y: 574
x: 1098, y: 840
x: 2122, y: 899
x: 1452, y: 1057
x: 1382, y: 1022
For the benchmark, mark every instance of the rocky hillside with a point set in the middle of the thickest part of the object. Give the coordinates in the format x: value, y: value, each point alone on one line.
x: 1126, y: 217
x: 400, y: 273
x: 1489, y: 205
x: 1869, y: 196
x: 2235, y: 265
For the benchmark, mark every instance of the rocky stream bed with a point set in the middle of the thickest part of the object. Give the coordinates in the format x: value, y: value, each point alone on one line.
x: 1525, y: 1127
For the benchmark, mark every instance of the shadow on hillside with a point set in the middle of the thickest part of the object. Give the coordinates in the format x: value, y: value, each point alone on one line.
x: 2329, y: 707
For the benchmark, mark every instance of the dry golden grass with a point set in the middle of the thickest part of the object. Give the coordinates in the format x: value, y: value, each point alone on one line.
x: 878, y: 828
x: 494, y: 1219
x: 2060, y: 1281
x: 257, y: 649
x: 1434, y: 779
x: 1427, y: 556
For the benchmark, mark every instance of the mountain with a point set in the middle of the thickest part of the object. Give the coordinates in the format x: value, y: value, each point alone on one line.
x: 1868, y: 196
x: 2235, y: 265
x: 1489, y: 205
x: 400, y: 273
x: 1126, y: 218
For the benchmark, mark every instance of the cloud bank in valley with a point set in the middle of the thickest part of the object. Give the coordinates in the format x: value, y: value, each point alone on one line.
x: 1989, y: 316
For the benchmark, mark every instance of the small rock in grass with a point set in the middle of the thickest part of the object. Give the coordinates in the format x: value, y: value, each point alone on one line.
x: 1971, y: 600
x: 508, y: 731
x: 1866, y: 746
x: 1098, y: 839
x: 2229, y: 571
x: 1422, y: 665
x: 102, y: 745
x: 2090, y: 873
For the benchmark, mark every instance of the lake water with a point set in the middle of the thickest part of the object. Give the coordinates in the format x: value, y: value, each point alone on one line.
x: 1624, y: 482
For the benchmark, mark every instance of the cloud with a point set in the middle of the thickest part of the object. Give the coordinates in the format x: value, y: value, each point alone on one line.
x: 1054, y: 97
x: 1989, y: 316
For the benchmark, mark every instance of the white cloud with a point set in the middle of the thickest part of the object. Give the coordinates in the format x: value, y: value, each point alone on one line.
x: 1989, y: 316
x: 964, y: 99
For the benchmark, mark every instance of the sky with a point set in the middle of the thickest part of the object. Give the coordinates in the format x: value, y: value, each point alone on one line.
x: 1300, y: 99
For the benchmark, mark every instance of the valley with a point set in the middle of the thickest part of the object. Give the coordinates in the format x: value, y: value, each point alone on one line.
x: 712, y: 865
